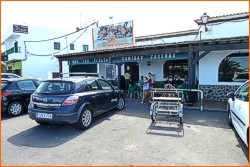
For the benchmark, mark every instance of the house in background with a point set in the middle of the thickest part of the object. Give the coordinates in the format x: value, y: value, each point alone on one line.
x: 29, y: 50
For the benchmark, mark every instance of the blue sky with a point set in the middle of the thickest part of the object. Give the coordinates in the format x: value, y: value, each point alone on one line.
x: 149, y: 17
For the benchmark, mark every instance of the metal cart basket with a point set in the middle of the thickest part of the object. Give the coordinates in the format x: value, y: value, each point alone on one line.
x: 166, y: 102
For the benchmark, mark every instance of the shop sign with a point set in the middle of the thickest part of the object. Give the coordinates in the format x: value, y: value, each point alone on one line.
x: 20, y: 29
x: 166, y: 56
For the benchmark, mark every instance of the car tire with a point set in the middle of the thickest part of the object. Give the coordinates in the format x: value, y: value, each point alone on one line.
x: 121, y: 103
x: 229, y: 117
x: 85, y: 119
x: 15, y: 108
x: 42, y: 123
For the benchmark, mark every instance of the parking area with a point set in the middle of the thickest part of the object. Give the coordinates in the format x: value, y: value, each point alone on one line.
x: 125, y: 137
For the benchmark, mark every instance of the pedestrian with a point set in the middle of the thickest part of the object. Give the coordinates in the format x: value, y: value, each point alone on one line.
x: 173, y: 82
x: 127, y: 80
x: 148, y: 84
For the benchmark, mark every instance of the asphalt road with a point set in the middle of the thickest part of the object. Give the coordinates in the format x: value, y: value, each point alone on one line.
x: 125, y: 138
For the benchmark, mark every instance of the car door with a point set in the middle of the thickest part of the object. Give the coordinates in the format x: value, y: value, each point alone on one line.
x: 110, y: 99
x: 26, y: 88
x: 240, y: 108
x: 97, y: 96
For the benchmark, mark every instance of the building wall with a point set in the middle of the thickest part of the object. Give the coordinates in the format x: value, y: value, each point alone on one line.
x: 209, y: 67
x: 156, y: 69
x: 208, y: 76
x: 40, y: 66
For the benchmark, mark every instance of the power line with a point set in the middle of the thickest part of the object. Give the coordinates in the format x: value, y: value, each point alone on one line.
x: 64, y: 35
x: 58, y: 38
x: 61, y: 49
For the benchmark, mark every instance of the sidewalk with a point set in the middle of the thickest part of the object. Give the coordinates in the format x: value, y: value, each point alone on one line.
x: 211, y: 105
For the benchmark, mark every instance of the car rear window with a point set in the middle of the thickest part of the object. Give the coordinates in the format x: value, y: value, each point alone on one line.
x: 4, y: 85
x: 55, y: 88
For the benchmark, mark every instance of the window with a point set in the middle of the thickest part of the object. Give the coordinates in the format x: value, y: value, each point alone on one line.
x: 234, y: 68
x: 26, y: 85
x: 55, y: 88
x: 175, y: 67
x: 92, y: 85
x: 105, y: 85
x: 243, y: 94
x: 85, y: 48
x: 72, y: 47
x: 56, y: 46
x: 81, y: 87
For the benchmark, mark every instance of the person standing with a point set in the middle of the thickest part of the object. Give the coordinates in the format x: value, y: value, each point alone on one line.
x: 148, y: 84
x: 127, y: 79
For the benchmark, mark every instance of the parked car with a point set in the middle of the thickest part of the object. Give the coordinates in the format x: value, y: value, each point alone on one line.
x: 9, y: 75
x: 16, y: 94
x: 238, y: 111
x: 74, y: 100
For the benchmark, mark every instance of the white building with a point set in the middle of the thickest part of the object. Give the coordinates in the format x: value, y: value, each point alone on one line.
x: 30, y: 50
x: 219, y: 39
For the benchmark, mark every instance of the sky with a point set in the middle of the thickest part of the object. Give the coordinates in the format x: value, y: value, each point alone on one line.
x: 149, y: 17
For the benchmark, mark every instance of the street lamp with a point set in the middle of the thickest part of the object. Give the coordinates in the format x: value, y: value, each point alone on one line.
x: 204, y: 19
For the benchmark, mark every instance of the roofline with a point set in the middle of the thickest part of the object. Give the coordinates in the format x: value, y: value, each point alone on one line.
x: 239, y: 39
x: 168, y: 35
x: 223, y: 18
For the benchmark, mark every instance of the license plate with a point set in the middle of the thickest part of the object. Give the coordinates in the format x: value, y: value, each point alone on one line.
x: 43, y: 115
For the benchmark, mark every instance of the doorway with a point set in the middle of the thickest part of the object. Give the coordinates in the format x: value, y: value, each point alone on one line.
x: 133, y: 69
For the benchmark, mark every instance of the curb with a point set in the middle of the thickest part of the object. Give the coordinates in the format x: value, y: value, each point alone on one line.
x: 205, y: 109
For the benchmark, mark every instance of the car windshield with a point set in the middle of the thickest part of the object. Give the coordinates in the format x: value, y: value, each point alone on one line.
x: 55, y: 88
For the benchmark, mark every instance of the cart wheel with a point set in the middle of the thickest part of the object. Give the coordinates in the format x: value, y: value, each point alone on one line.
x: 181, y: 120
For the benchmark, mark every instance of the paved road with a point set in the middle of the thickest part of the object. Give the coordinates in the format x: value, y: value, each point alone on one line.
x: 125, y: 138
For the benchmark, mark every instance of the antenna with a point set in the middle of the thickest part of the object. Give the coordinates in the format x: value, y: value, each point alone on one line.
x: 80, y: 20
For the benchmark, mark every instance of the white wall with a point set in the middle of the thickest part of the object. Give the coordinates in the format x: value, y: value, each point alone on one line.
x: 155, y: 68
x: 209, y: 67
x: 224, y: 30
x: 40, y: 66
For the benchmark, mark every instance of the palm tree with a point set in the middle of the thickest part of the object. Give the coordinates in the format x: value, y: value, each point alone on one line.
x: 228, y: 66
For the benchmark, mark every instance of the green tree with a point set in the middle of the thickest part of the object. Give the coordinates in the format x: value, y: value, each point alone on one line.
x: 4, y: 68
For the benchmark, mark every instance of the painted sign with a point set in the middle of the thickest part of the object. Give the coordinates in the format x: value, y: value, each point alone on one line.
x: 20, y: 29
x: 152, y: 57
x: 113, y: 36
x: 166, y: 56
x: 89, y: 61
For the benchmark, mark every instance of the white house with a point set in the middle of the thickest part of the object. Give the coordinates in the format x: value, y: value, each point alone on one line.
x: 30, y: 50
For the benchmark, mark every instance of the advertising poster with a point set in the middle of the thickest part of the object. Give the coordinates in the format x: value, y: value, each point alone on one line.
x: 113, y: 36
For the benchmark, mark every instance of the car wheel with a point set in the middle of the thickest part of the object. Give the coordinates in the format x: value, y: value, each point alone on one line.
x: 85, y: 118
x: 15, y: 108
x: 121, y: 103
x: 42, y: 123
x: 229, y: 117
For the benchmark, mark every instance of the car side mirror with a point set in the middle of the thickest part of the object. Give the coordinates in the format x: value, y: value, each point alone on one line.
x: 231, y: 95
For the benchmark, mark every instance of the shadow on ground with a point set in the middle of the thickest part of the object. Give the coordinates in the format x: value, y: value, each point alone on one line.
x: 52, y: 135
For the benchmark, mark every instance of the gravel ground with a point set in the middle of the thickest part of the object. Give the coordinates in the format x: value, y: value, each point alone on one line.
x: 125, y: 138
